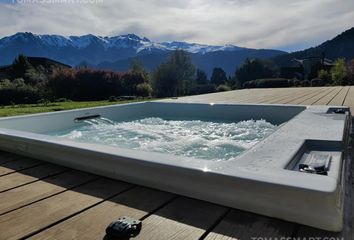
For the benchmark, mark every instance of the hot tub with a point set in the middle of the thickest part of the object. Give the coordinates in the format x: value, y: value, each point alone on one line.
x: 294, y: 172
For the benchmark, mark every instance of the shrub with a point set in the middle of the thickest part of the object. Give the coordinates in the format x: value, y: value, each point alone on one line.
x: 17, y: 92
x: 249, y: 84
x: 297, y: 83
x: 223, y: 88
x: 88, y: 85
x: 305, y: 83
x: 143, y: 89
x: 203, y: 89
x: 127, y: 98
x: 112, y: 99
x: 316, y: 82
x: 272, y: 83
x: 325, y: 76
x: 291, y: 83
x: 43, y: 101
x: 268, y: 83
x: 130, y: 81
x: 62, y: 100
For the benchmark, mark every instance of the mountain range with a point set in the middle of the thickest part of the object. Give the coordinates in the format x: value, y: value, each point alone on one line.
x: 116, y: 53
x: 341, y: 46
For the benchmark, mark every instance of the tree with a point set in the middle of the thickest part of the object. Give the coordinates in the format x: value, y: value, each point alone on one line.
x: 218, y: 76
x: 20, y: 66
x: 16, y: 91
x: 89, y: 84
x: 351, y: 71
x: 137, y: 66
x: 130, y: 81
x: 33, y: 77
x: 324, y: 75
x: 339, y: 72
x: 255, y: 69
x: 231, y: 82
x: 176, y: 77
x: 144, y: 89
x: 201, y: 77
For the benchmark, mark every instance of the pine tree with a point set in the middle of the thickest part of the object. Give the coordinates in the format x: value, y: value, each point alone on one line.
x: 20, y: 66
x: 201, y: 77
x: 218, y: 77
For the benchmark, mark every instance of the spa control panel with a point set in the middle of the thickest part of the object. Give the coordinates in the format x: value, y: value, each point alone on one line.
x: 317, y: 163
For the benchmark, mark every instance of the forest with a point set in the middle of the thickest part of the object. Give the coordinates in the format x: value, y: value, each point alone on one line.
x: 24, y: 83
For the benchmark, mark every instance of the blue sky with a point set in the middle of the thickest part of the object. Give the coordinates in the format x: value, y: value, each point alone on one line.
x: 281, y: 24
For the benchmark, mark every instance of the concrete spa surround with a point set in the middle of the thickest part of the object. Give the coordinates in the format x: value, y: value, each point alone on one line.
x: 262, y: 180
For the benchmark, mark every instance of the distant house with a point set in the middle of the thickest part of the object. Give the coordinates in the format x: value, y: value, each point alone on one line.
x: 306, y: 68
x: 47, y: 64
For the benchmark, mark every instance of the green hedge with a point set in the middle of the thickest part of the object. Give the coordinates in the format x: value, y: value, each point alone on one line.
x: 88, y: 84
x: 203, y: 89
x: 268, y: 83
x: 17, y: 92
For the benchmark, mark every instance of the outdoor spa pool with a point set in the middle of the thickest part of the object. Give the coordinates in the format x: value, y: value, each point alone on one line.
x: 277, y: 160
x: 211, y: 140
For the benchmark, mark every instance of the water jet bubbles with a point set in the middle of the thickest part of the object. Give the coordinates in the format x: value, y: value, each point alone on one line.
x: 216, y: 141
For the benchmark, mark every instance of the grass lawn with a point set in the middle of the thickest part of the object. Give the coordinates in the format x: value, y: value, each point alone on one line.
x: 22, y: 109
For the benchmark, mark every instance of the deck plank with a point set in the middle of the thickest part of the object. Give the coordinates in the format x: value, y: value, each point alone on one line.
x: 277, y: 98
x: 326, y: 99
x: 260, y: 95
x: 243, y: 225
x: 91, y: 224
x: 233, y: 96
x: 37, y: 216
x: 297, y: 100
x: 238, y: 97
x: 339, y: 99
x: 321, y: 94
x: 183, y: 219
x: 29, y: 175
x: 349, y: 100
x: 274, y: 96
x: 19, y: 164
x: 21, y: 196
x: 290, y: 95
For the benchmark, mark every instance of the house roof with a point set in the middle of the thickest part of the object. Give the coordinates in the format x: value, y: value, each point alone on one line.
x: 326, y: 61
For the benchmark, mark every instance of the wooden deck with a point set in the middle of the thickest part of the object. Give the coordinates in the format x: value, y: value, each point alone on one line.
x: 39, y: 200
x: 336, y: 96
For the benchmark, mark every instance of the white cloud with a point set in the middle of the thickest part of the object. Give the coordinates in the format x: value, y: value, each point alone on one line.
x: 251, y: 23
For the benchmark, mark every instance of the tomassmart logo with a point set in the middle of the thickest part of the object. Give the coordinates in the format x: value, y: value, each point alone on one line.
x: 55, y: 1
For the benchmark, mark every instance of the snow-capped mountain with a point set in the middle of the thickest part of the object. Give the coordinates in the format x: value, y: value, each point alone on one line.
x: 95, y: 50
x: 120, y: 42
x: 199, y: 48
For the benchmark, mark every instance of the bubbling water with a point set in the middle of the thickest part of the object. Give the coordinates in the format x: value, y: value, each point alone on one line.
x: 216, y: 141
